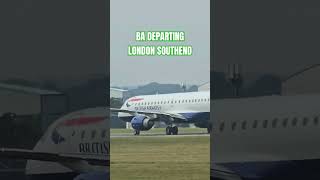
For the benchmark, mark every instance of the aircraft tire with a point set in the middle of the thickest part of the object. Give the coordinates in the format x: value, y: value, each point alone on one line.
x: 168, y: 130
x: 174, y: 130
x: 136, y: 132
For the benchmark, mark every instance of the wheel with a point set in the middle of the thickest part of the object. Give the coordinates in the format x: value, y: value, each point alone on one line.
x: 174, y: 130
x: 168, y: 130
x: 136, y: 132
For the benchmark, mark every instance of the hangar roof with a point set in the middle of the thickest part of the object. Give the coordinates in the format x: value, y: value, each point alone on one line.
x: 28, y: 90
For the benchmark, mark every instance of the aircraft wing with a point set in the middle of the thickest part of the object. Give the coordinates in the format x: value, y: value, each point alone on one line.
x: 71, y: 161
x: 151, y: 114
x: 221, y: 173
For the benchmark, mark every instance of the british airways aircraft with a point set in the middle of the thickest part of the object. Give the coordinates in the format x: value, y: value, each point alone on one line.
x: 173, y: 109
x: 76, y: 146
x: 272, y: 138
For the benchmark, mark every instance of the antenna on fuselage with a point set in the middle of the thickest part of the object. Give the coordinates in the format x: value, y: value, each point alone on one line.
x: 235, y: 77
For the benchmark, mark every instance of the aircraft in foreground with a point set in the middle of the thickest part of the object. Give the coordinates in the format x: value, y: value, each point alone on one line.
x: 272, y: 138
x: 176, y: 108
x: 76, y: 146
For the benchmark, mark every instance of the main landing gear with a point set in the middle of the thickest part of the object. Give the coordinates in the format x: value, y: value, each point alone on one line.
x: 136, y: 132
x: 172, y: 130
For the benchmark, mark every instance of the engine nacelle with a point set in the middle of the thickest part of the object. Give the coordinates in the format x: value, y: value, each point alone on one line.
x: 141, y: 123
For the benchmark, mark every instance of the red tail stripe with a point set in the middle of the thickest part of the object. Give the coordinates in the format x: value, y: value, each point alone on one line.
x: 136, y: 99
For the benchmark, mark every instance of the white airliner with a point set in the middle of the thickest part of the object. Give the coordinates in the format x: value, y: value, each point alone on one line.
x: 74, y: 146
x: 173, y: 109
x: 275, y: 137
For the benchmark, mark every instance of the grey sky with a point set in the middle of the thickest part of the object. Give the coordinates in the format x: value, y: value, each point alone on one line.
x: 191, y: 16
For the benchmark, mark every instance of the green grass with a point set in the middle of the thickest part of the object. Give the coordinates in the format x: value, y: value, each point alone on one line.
x: 159, y: 130
x: 160, y: 158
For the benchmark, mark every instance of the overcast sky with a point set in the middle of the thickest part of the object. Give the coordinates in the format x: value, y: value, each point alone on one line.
x: 191, y: 16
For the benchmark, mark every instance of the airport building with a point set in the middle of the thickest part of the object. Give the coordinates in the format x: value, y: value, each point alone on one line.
x: 302, y: 82
x: 27, y: 102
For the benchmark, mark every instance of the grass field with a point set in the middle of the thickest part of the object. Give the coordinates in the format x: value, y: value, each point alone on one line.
x: 160, y: 158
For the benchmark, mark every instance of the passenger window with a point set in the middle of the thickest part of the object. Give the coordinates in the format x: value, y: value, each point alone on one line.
x: 274, y: 123
x: 294, y: 121
x: 233, y: 127
x: 104, y: 133
x: 285, y: 122
x: 82, y: 134
x: 305, y: 121
x: 244, y: 125
x: 316, y: 120
x: 221, y: 128
x: 265, y: 123
x: 255, y: 124
x: 93, y: 134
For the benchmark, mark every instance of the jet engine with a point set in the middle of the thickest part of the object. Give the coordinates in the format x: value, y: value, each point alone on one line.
x: 141, y: 123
